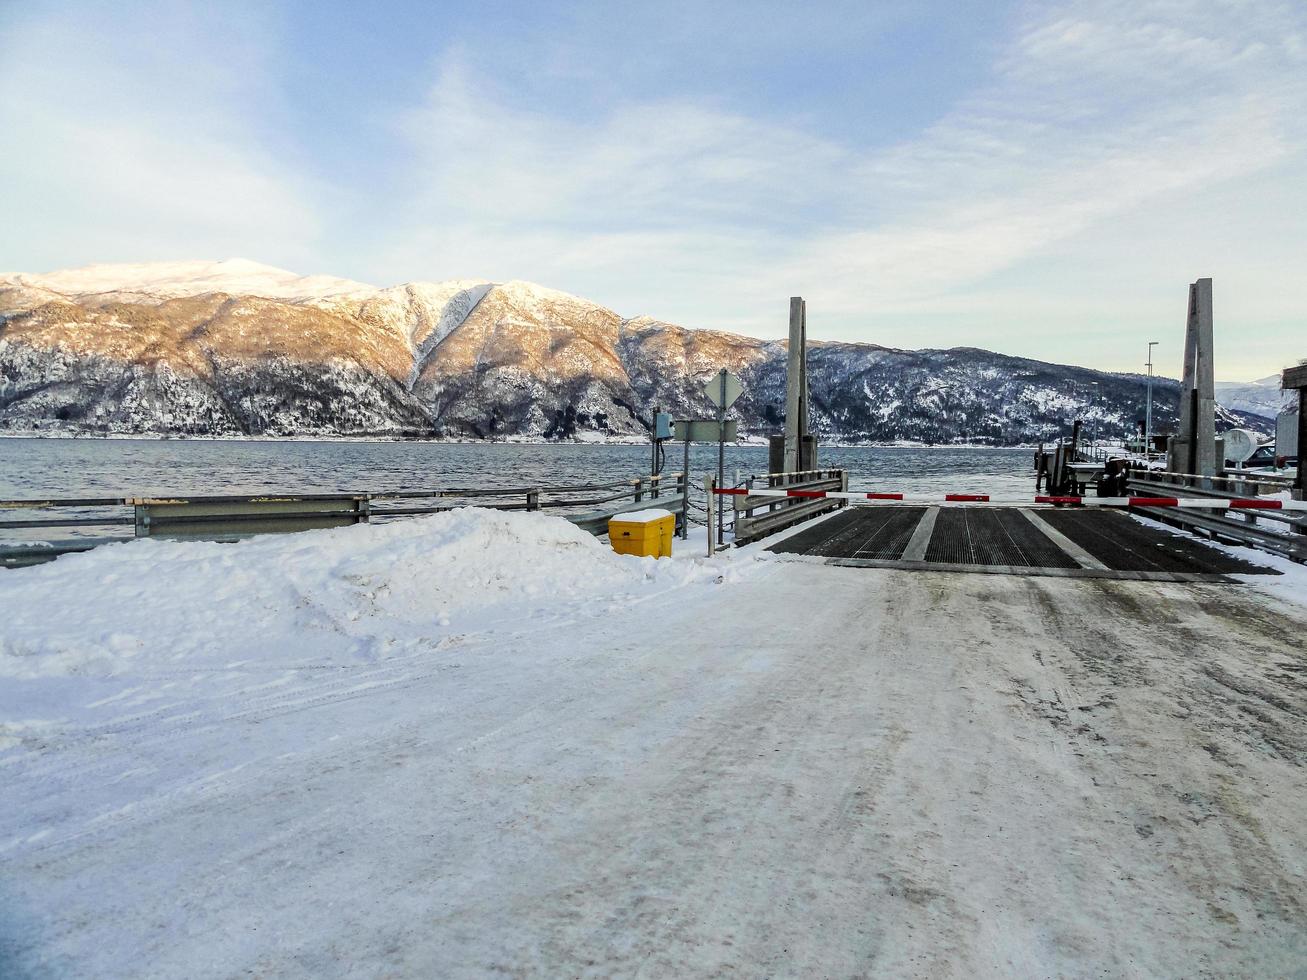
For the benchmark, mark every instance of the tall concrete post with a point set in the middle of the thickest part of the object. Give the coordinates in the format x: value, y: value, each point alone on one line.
x: 807, y: 454
x: 1205, y: 461
x: 1198, y: 389
x: 796, y: 383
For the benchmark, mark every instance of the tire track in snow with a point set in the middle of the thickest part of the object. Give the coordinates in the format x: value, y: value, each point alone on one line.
x: 162, y: 727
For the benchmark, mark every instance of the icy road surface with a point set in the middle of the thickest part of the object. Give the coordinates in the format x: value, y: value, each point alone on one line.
x: 796, y: 770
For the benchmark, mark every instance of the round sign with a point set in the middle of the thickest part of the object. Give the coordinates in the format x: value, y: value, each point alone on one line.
x: 1239, y: 444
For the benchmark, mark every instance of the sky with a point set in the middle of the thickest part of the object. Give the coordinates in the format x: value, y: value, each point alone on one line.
x: 1041, y: 179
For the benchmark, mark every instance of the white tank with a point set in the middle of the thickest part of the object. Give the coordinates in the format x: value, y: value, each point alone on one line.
x: 1239, y: 444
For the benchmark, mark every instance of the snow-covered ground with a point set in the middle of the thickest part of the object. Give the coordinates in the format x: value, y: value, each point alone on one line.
x: 136, y: 625
x: 482, y: 744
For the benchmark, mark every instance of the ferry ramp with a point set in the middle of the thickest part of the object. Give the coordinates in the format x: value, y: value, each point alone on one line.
x: 1013, y: 541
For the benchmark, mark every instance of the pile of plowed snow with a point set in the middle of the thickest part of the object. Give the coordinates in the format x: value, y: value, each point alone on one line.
x: 322, y: 598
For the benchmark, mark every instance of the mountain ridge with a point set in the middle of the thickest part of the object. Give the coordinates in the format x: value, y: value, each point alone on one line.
x: 236, y: 347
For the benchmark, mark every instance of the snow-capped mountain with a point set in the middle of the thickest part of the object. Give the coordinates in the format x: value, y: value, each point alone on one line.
x: 1261, y: 397
x: 231, y: 348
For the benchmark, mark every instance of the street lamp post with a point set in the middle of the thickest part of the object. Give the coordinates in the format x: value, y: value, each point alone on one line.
x: 1148, y: 413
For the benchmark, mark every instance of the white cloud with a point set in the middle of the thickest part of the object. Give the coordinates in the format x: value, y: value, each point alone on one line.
x: 1093, y: 112
x: 158, y: 132
x: 646, y: 165
x: 127, y: 138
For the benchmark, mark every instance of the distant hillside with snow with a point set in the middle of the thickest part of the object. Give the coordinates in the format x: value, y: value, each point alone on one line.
x: 1260, y: 397
x: 239, y: 348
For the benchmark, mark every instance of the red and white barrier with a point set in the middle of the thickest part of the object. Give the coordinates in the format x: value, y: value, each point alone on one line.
x: 1206, y: 503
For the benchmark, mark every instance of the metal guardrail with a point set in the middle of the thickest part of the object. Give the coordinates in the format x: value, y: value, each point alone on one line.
x: 231, y: 517
x: 1246, y: 528
x: 756, y: 517
x: 1231, y: 480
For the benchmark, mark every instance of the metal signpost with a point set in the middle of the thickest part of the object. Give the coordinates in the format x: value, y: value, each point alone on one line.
x: 722, y: 390
x: 1148, y: 416
x: 700, y: 430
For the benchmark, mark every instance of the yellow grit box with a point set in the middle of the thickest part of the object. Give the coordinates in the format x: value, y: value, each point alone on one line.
x: 643, y: 532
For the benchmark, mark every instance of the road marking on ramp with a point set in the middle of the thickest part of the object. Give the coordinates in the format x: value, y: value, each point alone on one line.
x: 1081, y: 557
x: 920, y: 540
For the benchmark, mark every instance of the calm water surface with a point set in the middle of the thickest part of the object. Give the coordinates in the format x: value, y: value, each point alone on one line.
x: 131, y: 467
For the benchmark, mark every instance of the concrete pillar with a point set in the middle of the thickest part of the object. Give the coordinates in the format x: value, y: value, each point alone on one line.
x: 1188, y: 377
x: 1198, y: 389
x: 795, y: 383
x: 1205, y: 461
x: 803, y: 396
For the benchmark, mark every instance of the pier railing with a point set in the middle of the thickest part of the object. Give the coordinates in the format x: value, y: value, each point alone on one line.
x: 756, y: 517
x: 92, y: 521
x: 1242, y: 483
x: 1279, y: 532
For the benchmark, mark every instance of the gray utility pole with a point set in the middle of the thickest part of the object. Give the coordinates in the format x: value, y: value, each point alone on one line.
x: 1148, y: 413
x: 1198, y: 390
x: 796, y: 383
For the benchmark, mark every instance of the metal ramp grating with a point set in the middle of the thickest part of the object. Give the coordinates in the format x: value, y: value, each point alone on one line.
x: 1076, y: 543
x: 1122, y: 543
x: 857, y: 532
x: 993, y: 537
x: 873, y: 534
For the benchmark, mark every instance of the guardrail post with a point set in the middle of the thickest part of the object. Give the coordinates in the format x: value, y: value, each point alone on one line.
x: 709, y: 485
x: 655, y: 482
x: 683, y: 488
x: 533, y: 500
x: 639, y: 489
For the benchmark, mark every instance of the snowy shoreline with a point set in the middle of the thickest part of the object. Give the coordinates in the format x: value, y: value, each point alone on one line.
x: 747, y: 442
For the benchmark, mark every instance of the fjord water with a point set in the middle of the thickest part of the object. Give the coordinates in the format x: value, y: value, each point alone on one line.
x: 129, y: 467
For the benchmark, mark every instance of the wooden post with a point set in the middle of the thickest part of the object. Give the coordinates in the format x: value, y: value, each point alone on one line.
x: 639, y: 489
x: 533, y: 500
